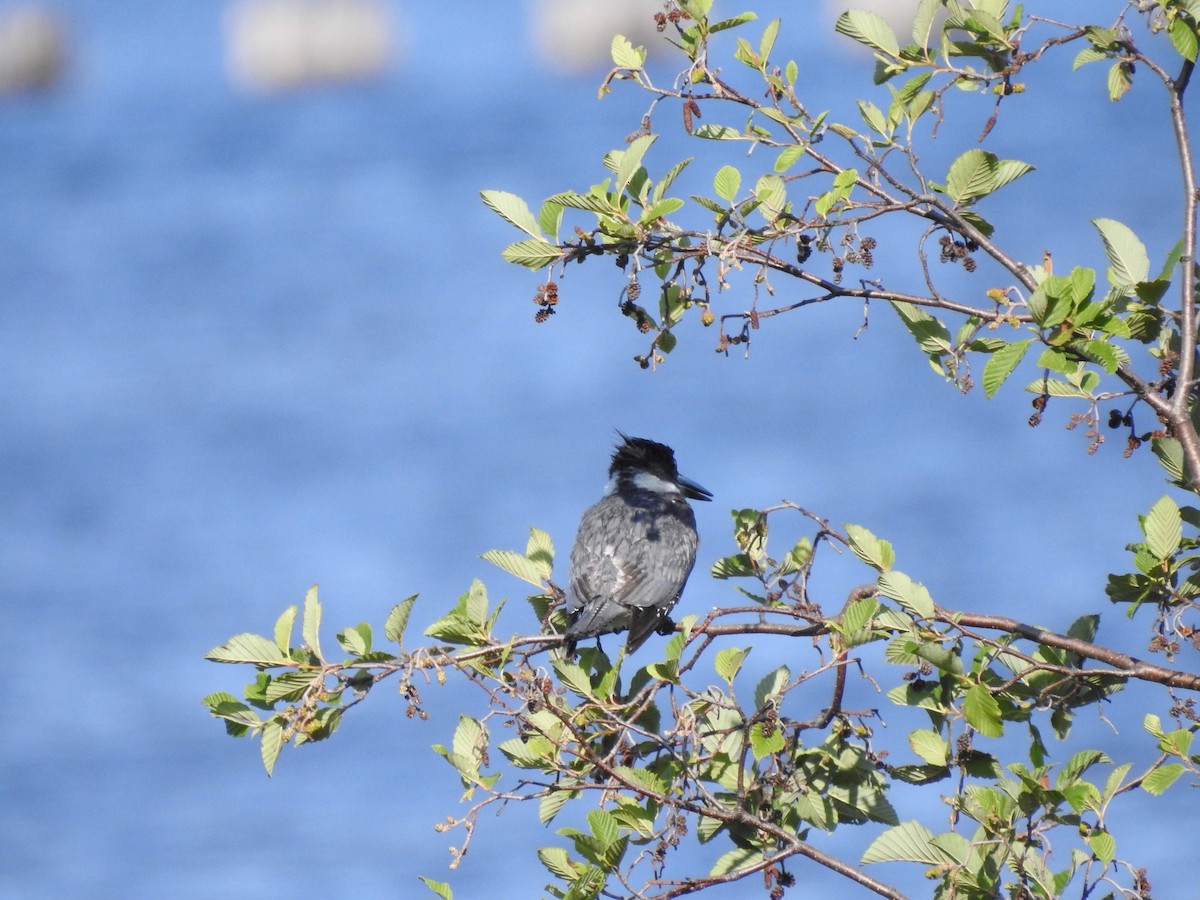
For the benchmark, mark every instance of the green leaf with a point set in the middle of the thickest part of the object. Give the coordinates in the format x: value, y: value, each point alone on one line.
x: 513, y: 210
x: 720, y: 133
x: 763, y: 743
x: 516, y: 565
x: 283, y: 629
x: 1128, y: 263
x: 922, y: 27
x: 1103, y: 844
x: 660, y: 210
x: 531, y: 254
x: 631, y: 161
x: 875, y: 552
x: 271, y: 743
x: 767, y: 43
x: 1009, y: 170
x: 1183, y: 36
x: 907, y: 842
x: 770, y: 686
x: 555, y: 859
x: 930, y: 746
x: 625, y: 55
x: 973, y: 174
x: 787, y: 157
x: 771, y: 194
x: 729, y: 661
x: 727, y: 182
x: 1001, y: 364
x: 549, y: 806
x: 732, y: 22
x: 310, y: 629
x: 737, y: 858
x: 397, y: 620
x: 869, y: 28
x: 248, y: 648
x: 1163, y: 777
x: 912, y: 595
x: 550, y: 218
x: 983, y: 711
x: 438, y: 887
x: 1120, y: 79
x: 1170, y: 456
x: 1163, y: 527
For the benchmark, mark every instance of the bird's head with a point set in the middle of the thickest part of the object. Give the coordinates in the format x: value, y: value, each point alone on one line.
x: 649, y: 465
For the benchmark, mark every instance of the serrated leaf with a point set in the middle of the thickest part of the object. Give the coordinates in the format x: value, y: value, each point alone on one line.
x: 1128, y: 263
x: 719, y: 133
x: 767, y: 43
x: 1120, y: 80
x: 586, y: 202
x: 727, y: 182
x: 771, y: 194
x: 766, y: 739
x: 1157, y: 782
x: 912, y: 595
x: 729, y: 661
x: 1103, y: 844
x: 661, y: 209
x: 787, y: 158
x: 1170, y: 456
x: 631, y: 161
x: 1009, y: 170
x: 875, y: 552
x: 550, y: 218
x: 770, y: 685
x: 1163, y: 527
x: 907, y: 842
x: 397, y: 620
x: 516, y: 565
x: 625, y: 55
x: 531, y: 254
x: 270, y: 743
x: 974, y: 174
x: 549, y: 806
x: 869, y: 28
x: 922, y: 26
x: 983, y: 711
x: 1183, y: 37
x: 310, y: 629
x: 513, y: 210
x: 283, y: 629
x: 438, y: 887
x: 556, y: 860
x: 1001, y: 364
x: 930, y: 746
x: 247, y: 648
x: 737, y: 858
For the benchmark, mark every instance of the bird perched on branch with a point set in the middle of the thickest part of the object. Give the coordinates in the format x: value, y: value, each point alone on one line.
x: 635, y: 548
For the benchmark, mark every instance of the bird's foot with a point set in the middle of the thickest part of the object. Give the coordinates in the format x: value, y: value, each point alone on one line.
x: 665, y: 627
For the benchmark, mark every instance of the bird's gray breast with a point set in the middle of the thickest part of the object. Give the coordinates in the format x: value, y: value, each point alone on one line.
x: 635, y: 549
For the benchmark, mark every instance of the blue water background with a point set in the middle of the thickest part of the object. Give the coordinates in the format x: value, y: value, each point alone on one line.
x: 252, y: 343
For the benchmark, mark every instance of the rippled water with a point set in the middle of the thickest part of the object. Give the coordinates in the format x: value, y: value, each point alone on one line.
x: 253, y: 343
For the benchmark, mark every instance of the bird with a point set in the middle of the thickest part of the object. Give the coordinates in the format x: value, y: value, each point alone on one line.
x: 635, y: 548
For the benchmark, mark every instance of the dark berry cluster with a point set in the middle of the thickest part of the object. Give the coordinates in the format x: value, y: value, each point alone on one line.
x: 546, y: 298
x: 953, y: 251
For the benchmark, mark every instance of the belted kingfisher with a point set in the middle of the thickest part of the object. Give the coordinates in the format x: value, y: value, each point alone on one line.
x: 635, y: 548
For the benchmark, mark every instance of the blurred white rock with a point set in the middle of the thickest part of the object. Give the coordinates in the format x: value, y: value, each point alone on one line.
x: 576, y: 35
x: 280, y: 44
x: 32, y: 49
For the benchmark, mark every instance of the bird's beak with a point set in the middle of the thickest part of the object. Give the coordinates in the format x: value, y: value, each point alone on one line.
x: 693, y: 490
